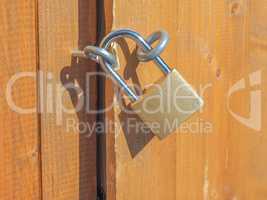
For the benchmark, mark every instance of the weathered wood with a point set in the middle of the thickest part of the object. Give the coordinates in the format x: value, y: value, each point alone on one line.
x: 214, y: 44
x: 19, y: 135
x: 68, y: 153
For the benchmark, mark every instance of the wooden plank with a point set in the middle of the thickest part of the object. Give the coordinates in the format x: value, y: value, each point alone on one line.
x: 214, y: 44
x: 68, y: 152
x: 19, y: 135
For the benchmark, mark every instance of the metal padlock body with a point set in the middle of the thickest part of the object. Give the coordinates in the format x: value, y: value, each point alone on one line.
x: 167, y: 103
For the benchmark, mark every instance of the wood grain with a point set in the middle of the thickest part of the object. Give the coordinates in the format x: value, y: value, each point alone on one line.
x: 19, y: 135
x: 214, y: 44
x: 68, y: 152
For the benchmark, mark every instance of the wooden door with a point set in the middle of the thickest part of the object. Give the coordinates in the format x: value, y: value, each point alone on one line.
x: 47, y: 152
x: 219, y: 153
x: 40, y: 156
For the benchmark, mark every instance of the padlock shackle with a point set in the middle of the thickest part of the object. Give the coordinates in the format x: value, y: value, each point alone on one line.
x: 145, y: 56
x: 128, y: 33
x: 141, y: 42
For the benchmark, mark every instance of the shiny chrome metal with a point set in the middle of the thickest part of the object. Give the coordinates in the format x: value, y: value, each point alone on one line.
x: 141, y: 42
x: 96, y: 52
x: 78, y: 53
x: 93, y: 53
x: 128, y: 33
x: 144, y: 55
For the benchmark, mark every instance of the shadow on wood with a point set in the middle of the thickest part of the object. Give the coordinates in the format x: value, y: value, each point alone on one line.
x: 77, y: 75
x: 137, y: 134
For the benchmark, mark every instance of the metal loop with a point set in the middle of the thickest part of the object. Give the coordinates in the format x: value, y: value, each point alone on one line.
x: 140, y: 41
x: 109, y: 63
x: 95, y: 52
x: 147, y: 55
x: 128, y: 33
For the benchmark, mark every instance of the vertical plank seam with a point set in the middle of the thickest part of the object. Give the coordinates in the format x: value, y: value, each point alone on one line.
x: 104, y: 179
x: 38, y: 103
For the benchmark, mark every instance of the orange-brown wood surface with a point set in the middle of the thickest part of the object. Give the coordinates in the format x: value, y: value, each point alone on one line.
x: 68, y: 153
x: 220, y: 153
x: 41, y: 155
x: 217, y: 154
x: 19, y: 139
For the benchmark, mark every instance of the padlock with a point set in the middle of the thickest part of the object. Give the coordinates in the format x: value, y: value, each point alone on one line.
x: 165, y: 104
